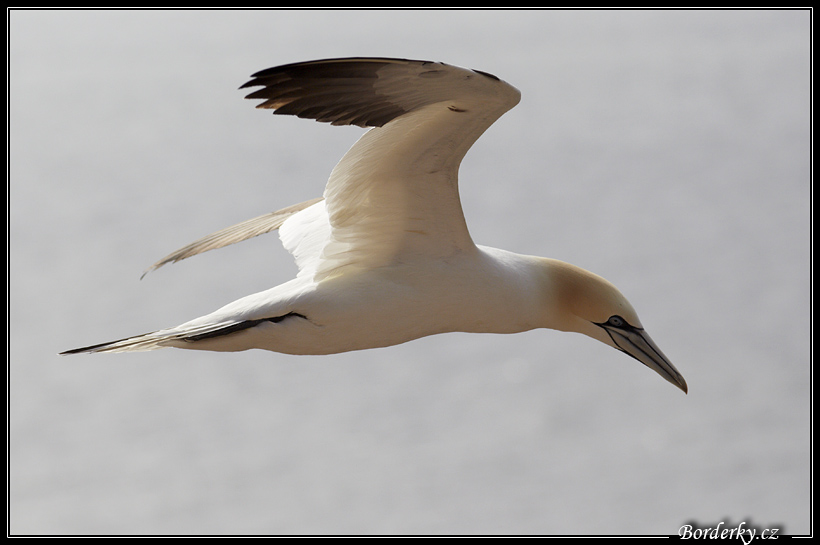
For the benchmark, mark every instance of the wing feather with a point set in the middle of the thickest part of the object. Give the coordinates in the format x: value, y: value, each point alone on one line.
x: 233, y: 234
x: 394, y: 195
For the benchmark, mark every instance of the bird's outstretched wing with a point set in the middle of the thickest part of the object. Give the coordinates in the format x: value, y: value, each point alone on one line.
x: 394, y: 195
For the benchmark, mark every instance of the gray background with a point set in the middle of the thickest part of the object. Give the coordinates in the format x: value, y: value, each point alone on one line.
x: 667, y: 151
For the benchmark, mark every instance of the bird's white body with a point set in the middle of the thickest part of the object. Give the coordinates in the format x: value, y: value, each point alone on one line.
x: 481, y: 291
x: 386, y: 257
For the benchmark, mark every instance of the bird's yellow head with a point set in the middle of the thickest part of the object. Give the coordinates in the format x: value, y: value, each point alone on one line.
x: 583, y: 302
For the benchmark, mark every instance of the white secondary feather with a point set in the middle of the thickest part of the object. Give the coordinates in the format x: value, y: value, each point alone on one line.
x: 385, y: 256
x: 304, y: 235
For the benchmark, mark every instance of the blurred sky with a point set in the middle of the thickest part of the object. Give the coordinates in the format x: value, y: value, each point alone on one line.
x: 668, y: 151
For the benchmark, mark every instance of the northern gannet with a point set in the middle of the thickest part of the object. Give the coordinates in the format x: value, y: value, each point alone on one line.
x: 385, y: 256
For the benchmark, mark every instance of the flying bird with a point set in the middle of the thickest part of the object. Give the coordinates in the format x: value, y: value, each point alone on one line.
x: 385, y: 256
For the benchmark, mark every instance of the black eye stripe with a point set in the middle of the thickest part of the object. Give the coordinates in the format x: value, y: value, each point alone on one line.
x: 617, y: 322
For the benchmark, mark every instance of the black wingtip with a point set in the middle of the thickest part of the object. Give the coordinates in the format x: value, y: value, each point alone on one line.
x: 93, y: 348
x: 336, y: 91
x: 85, y: 349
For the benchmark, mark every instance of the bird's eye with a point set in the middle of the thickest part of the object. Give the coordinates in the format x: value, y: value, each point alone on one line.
x: 616, y: 321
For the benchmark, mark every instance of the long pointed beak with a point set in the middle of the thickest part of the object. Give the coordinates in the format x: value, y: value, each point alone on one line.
x: 638, y: 344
